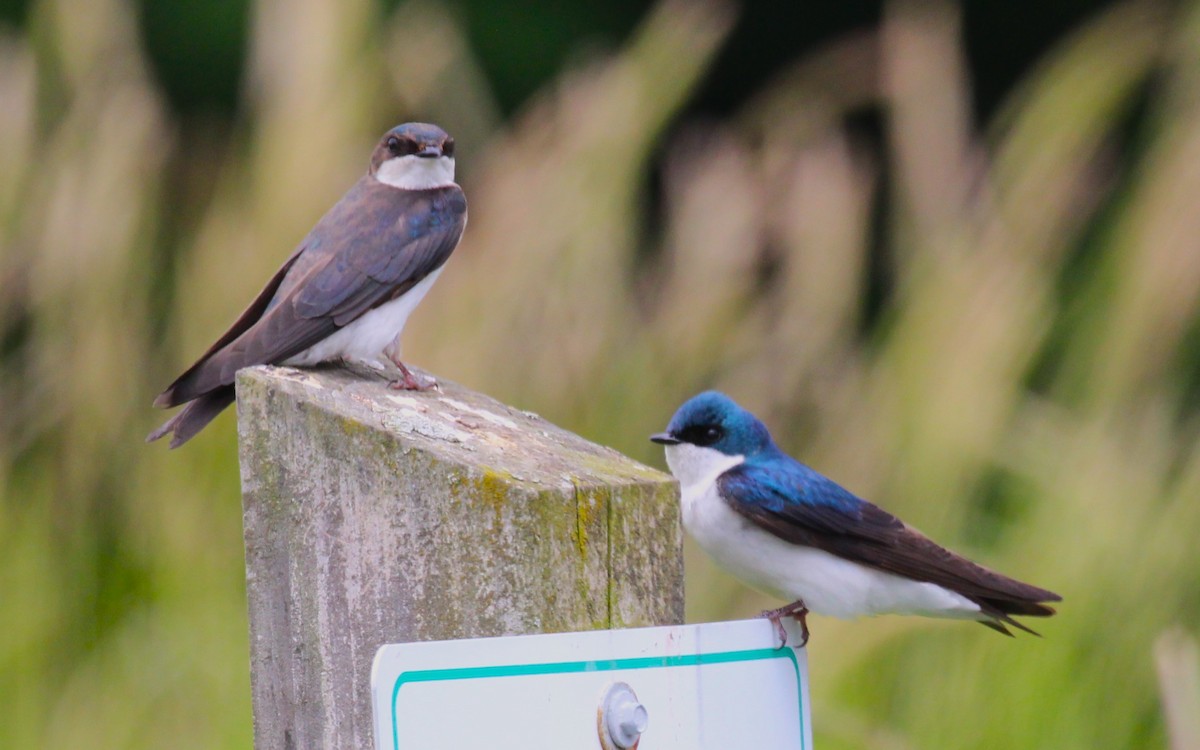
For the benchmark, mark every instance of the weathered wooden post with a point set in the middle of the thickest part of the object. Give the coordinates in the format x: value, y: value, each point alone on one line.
x: 375, y: 516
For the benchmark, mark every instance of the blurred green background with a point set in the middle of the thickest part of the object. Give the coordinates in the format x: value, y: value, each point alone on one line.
x: 950, y: 253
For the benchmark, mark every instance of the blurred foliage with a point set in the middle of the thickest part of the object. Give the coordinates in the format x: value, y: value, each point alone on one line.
x: 1178, y: 659
x: 992, y: 331
x: 197, y: 49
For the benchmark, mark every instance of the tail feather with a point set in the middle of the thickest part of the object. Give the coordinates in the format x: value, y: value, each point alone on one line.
x: 997, y: 626
x: 1025, y: 608
x: 1000, y: 622
x: 998, y: 613
x: 193, y: 417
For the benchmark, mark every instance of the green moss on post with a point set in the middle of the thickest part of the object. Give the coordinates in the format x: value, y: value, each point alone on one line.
x: 374, y: 516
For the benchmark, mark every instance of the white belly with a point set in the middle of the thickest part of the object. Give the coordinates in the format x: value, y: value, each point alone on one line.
x: 364, y: 339
x: 828, y: 584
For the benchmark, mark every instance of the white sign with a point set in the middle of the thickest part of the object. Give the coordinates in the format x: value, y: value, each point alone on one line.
x: 719, y: 685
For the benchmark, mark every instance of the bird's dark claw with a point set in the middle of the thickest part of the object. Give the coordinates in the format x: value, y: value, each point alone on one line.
x: 779, y: 629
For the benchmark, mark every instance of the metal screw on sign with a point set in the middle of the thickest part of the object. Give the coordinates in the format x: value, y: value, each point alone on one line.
x: 621, y: 718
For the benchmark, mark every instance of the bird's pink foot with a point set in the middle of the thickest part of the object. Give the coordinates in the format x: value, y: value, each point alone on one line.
x: 796, y: 610
x: 409, y: 381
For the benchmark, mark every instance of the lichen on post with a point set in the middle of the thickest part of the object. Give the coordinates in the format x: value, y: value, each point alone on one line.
x: 374, y: 516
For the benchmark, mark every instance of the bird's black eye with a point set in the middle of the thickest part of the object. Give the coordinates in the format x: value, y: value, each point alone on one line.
x: 448, y: 148
x: 703, y: 435
x: 400, y: 146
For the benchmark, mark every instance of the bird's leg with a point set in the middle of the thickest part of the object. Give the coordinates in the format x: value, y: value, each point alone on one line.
x: 407, y: 381
x: 779, y: 631
x: 796, y: 610
x: 801, y: 617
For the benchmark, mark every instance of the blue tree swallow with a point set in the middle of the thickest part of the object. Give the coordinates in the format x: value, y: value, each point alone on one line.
x: 347, y: 290
x: 794, y: 534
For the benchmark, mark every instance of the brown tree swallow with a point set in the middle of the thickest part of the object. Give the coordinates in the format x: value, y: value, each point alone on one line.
x: 347, y: 290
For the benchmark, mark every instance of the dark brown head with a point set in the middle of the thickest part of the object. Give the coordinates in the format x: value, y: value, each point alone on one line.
x: 414, y: 156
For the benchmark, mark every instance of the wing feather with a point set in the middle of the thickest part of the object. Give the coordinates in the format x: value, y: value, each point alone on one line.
x: 374, y: 245
x: 800, y: 506
x: 173, y: 395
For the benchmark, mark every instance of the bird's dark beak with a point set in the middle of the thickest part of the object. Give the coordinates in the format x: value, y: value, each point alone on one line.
x: 430, y: 152
x: 665, y: 438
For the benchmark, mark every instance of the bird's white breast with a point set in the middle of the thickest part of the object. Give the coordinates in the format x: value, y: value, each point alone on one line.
x: 416, y: 173
x: 828, y: 584
x: 365, y: 338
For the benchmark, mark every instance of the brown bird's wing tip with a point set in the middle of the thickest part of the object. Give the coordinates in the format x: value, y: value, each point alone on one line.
x: 170, y: 427
x: 159, y: 432
x: 194, y: 416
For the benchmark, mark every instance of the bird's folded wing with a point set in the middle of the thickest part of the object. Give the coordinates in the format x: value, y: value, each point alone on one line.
x: 800, y: 506
x: 379, y: 267
x: 174, y: 395
x: 350, y: 264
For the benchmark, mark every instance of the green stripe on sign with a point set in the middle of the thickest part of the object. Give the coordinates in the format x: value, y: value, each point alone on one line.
x: 568, y: 667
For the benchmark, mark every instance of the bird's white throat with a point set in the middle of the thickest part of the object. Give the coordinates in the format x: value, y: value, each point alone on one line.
x: 416, y: 173
x: 697, y: 467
